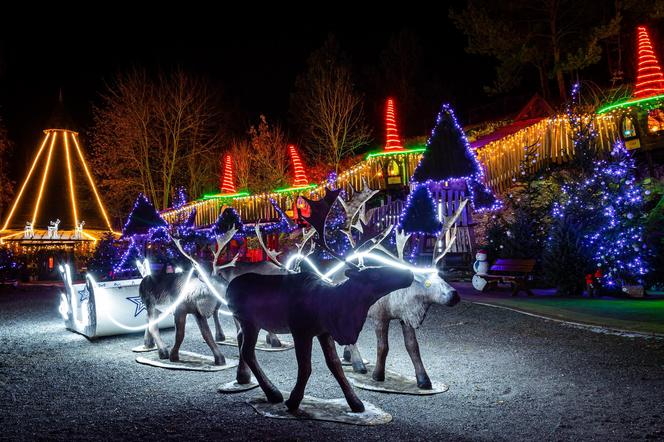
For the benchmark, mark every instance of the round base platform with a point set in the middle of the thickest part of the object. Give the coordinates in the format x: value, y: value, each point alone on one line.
x: 394, y: 383
x: 188, y: 361
x: 346, y: 363
x: 143, y: 349
x: 330, y: 410
x: 234, y: 387
x: 260, y: 344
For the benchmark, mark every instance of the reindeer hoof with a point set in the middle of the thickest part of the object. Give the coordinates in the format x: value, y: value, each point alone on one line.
x: 274, y: 397
x: 272, y: 340
x: 378, y: 377
x: 356, y: 405
x: 359, y: 367
x: 243, y: 377
x: 424, y: 383
x: 219, y: 360
x: 292, y: 404
x: 174, y: 357
x: 220, y: 338
x: 346, y: 355
x: 164, y: 353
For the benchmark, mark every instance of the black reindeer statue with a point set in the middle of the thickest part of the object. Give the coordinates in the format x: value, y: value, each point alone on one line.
x: 305, y: 306
x: 270, y: 267
x: 196, y: 298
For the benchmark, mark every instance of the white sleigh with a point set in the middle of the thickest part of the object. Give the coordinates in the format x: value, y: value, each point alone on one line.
x: 96, y: 309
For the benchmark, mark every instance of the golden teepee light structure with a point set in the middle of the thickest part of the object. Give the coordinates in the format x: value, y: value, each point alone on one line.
x: 61, y: 144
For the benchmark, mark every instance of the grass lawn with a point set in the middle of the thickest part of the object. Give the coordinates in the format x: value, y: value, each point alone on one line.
x: 640, y: 315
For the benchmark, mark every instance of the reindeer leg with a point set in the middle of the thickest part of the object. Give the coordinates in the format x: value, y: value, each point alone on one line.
x: 347, y: 353
x: 209, y: 340
x: 153, y: 328
x: 250, y: 336
x: 272, y: 340
x: 219, y: 332
x: 382, y: 348
x: 334, y: 364
x: 413, y: 348
x: 148, y: 340
x: 356, y: 359
x: 303, y: 354
x: 180, y: 323
x: 243, y: 375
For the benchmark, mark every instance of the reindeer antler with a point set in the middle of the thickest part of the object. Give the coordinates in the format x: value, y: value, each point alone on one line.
x: 320, y: 209
x: 401, y: 238
x: 355, y: 208
x: 271, y: 254
x: 307, y: 236
x: 222, y: 241
x: 449, y: 222
x: 289, y: 221
x: 215, y: 268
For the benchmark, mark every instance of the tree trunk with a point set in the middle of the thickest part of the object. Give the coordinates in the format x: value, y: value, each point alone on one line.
x: 544, y: 83
x: 562, y: 89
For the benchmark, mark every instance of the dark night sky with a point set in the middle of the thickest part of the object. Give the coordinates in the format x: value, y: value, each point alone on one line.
x: 254, y: 67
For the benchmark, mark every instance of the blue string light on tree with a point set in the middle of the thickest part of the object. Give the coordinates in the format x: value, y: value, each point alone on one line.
x: 449, y: 158
x: 609, y: 202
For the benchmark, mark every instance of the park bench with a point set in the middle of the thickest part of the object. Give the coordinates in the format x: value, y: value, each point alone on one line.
x: 514, y: 271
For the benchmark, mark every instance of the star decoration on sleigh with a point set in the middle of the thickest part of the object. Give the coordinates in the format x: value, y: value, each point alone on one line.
x: 83, y: 294
x: 139, y: 304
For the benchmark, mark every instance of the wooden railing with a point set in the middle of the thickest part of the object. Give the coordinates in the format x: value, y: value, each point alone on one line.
x: 259, y: 207
x: 499, y: 158
x: 552, y: 138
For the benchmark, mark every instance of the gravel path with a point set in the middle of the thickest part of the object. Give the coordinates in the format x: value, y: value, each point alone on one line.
x: 511, y: 377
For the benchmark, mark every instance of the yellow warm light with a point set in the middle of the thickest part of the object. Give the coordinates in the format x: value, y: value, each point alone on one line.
x: 41, y: 188
x: 92, y: 184
x: 87, y: 235
x: 25, y: 183
x: 10, y: 236
x: 72, y: 194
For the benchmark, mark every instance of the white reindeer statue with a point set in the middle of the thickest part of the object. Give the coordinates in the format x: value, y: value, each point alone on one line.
x: 53, y: 229
x: 29, y: 231
x: 199, y: 300
x: 78, y: 233
x: 409, y: 306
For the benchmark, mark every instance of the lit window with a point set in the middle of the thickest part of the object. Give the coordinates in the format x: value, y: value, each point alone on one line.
x: 393, y: 173
x: 628, y: 128
x: 392, y: 168
x: 656, y: 121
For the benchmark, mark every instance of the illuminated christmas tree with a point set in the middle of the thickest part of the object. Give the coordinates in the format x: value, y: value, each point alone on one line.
x: 449, y: 158
x: 420, y: 215
x: 607, y: 205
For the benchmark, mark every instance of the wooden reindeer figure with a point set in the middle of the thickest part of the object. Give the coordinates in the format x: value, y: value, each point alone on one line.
x: 198, y: 298
x: 409, y: 306
x: 305, y: 306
